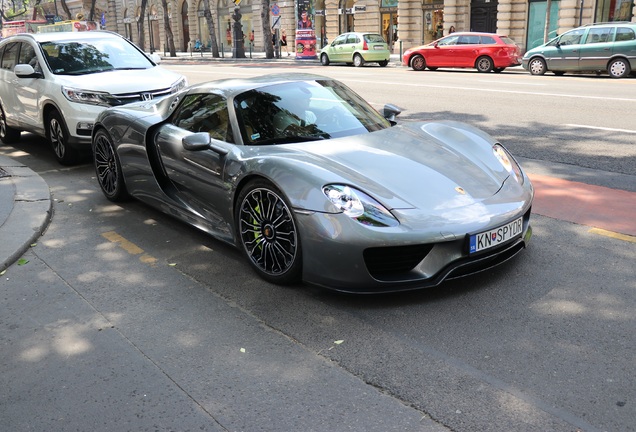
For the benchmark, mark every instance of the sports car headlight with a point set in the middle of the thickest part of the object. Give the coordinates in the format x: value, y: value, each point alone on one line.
x: 508, y: 162
x: 86, y: 96
x: 359, y: 206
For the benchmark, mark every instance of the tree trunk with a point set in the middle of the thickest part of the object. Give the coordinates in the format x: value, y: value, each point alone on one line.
x: 267, y: 31
x: 214, y: 46
x: 66, y: 9
x: 140, y: 25
x: 166, y: 25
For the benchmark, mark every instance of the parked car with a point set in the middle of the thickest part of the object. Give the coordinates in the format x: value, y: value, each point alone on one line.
x: 603, y: 47
x: 312, y: 183
x: 55, y: 84
x: 356, y: 49
x: 485, y: 52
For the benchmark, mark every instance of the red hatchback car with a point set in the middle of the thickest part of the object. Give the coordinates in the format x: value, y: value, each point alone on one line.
x: 485, y: 52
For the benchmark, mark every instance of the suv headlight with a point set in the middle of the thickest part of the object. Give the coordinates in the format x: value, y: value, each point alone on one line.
x: 179, y: 85
x: 359, y: 206
x: 86, y: 96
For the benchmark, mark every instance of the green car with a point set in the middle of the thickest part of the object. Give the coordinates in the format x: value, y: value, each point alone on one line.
x: 356, y: 49
x: 598, y: 48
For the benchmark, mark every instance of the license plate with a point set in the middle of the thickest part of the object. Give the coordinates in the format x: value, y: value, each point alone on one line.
x: 378, y: 47
x: 495, y: 237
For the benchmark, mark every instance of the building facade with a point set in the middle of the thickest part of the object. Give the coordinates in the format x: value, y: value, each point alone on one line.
x: 403, y: 23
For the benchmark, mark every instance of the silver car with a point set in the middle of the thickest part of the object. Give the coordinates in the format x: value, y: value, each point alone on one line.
x: 314, y: 184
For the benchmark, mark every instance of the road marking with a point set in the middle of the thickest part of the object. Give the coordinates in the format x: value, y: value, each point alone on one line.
x: 129, y: 247
x: 613, y: 235
x: 599, y: 207
x: 602, y: 128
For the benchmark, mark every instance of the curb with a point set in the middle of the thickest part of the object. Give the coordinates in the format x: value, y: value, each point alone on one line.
x: 26, y: 200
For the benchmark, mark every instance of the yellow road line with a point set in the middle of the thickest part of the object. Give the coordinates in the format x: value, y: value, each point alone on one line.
x: 613, y: 235
x: 129, y: 247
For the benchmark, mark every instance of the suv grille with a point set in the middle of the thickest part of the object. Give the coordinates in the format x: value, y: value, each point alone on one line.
x: 126, y: 98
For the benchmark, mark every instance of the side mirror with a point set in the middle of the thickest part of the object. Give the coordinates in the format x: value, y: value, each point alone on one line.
x: 155, y: 58
x: 197, y: 141
x: 26, y: 71
x: 390, y: 112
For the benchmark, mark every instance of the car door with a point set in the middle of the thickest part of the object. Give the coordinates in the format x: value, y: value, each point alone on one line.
x: 29, y: 90
x: 197, y: 173
x: 466, y: 51
x: 349, y: 47
x: 9, y: 82
x: 625, y: 43
x: 597, y: 49
x: 564, y: 55
x: 442, y: 53
x: 337, y: 47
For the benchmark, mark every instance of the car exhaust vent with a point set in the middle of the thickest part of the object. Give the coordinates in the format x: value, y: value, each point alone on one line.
x: 385, y: 261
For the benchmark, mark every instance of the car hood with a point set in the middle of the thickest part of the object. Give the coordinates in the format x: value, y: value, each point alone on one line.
x: 416, y: 165
x: 124, y: 81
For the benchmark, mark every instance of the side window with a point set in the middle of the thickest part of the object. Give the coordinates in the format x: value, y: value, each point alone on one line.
x: 624, y: 34
x: 205, y: 113
x: 572, y: 37
x: 27, y: 56
x: 340, y: 40
x: 351, y: 39
x: 10, y: 55
x: 599, y: 35
x: 450, y: 40
x: 488, y: 40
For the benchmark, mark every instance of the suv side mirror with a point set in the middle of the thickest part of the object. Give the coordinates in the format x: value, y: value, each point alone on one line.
x: 26, y: 71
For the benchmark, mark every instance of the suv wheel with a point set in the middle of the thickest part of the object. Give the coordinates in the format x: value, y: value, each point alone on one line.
x: 618, y: 68
x: 8, y: 135
x: 57, y: 134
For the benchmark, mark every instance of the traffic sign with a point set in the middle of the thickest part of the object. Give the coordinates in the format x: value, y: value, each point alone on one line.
x: 275, y: 9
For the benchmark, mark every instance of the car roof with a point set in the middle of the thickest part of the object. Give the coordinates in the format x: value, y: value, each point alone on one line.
x: 234, y: 86
x: 62, y: 36
x: 476, y: 34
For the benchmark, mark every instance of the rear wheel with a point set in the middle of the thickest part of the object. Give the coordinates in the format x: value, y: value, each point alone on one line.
x: 499, y: 70
x: 618, y: 68
x: 559, y: 73
x: 108, y: 168
x: 8, y: 134
x: 537, y: 66
x: 383, y: 63
x: 358, y: 60
x: 432, y: 68
x: 324, y: 59
x: 58, y: 136
x: 418, y: 63
x: 484, y: 64
x: 267, y: 233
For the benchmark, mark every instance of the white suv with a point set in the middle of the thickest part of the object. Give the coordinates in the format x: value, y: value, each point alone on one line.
x: 55, y: 84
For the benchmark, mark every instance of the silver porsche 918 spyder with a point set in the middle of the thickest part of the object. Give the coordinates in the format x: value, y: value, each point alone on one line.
x: 315, y: 185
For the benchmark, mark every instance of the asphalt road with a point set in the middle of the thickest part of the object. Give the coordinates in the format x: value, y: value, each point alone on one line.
x: 138, y: 322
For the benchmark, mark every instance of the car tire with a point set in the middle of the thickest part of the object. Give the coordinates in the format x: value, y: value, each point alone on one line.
x: 358, y: 60
x: 618, y: 68
x: 559, y: 73
x: 108, y: 168
x: 267, y: 234
x: 432, y: 68
x: 383, y: 63
x: 324, y: 59
x: 418, y: 63
x: 8, y: 135
x: 537, y: 66
x: 57, y: 135
x: 499, y: 70
x: 484, y: 64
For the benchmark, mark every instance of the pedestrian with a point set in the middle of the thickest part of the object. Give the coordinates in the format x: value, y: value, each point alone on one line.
x: 440, y: 31
x: 283, y: 41
x: 451, y: 29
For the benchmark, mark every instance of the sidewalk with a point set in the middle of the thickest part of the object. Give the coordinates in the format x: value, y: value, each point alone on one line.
x: 25, y: 209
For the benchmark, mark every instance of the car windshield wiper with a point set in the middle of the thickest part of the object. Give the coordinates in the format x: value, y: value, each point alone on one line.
x: 292, y: 139
x: 130, y: 68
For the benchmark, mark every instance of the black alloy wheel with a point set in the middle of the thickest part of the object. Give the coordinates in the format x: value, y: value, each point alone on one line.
x: 58, y: 136
x: 108, y: 168
x: 267, y: 233
x: 8, y: 135
x: 418, y: 63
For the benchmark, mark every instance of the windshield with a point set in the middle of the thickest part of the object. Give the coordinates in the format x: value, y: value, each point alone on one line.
x: 304, y: 111
x: 75, y: 57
